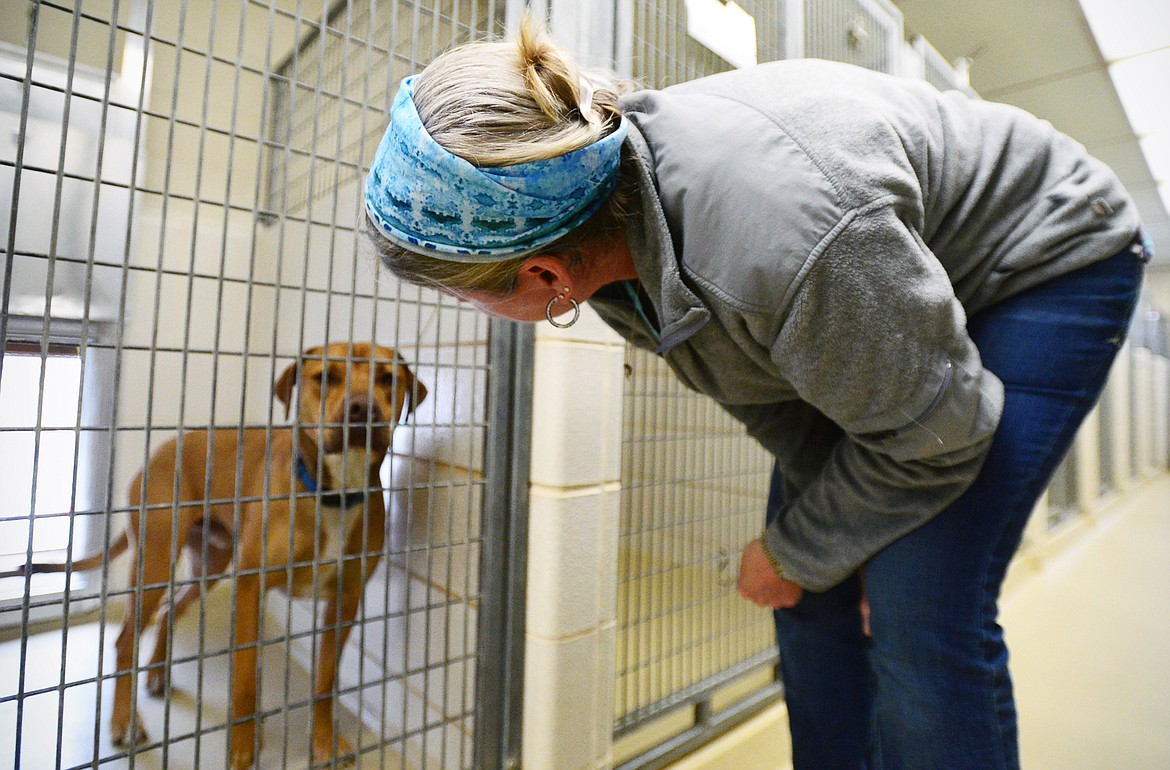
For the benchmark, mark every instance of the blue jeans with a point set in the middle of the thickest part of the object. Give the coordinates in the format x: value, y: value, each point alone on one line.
x: 930, y: 688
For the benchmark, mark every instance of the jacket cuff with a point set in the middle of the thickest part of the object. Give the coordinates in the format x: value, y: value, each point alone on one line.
x: 770, y: 555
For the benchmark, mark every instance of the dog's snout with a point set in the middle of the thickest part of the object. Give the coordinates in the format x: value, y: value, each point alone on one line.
x: 359, y: 410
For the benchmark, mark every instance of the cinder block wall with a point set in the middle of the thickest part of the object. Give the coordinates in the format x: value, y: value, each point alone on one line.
x: 572, y: 541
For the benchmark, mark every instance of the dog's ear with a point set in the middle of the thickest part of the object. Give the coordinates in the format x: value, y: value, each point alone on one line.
x: 284, y: 387
x: 415, y: 390
x: 284, y: 384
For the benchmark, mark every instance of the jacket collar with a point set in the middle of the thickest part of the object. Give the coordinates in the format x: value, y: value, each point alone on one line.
x: 680, y: 311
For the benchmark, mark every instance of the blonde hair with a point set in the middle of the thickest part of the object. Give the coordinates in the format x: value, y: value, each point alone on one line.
x: 500, y: 104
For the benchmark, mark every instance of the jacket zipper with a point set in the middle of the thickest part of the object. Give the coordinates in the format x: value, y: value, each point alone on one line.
x: 938, y: 397
x: 948, y: 375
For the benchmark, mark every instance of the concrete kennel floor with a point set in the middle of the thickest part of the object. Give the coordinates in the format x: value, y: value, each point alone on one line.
x: 1087, y: 618
x: 41, y: 717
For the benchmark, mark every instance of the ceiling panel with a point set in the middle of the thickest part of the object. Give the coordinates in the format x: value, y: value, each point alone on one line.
x: 1041, y: 55
x: 1009, y: 42
x: 1084, y: 106
x: 1150, y: 205
x: 1123, y: 156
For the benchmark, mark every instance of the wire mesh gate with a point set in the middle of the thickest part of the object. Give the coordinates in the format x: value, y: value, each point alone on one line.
x: 693, y: 492
x: 181, y: 187
x: 692, y: 657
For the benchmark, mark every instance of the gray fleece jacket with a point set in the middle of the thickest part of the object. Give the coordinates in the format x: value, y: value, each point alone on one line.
x: 811, y: 237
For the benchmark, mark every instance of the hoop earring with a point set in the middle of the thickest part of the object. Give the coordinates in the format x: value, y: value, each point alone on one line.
x: 576, y: 312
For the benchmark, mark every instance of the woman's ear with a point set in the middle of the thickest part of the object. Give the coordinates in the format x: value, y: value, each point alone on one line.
x: 545, y: 273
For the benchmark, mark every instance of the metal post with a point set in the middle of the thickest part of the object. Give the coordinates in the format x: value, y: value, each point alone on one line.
x: 503, y: 561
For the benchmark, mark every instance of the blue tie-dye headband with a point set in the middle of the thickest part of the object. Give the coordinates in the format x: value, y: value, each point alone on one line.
x: 427, y: 200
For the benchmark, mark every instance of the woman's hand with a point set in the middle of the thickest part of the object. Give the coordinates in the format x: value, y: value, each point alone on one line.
x: 759, y: 583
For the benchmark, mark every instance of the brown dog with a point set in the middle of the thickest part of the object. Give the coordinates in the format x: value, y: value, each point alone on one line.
x: 350, y: 398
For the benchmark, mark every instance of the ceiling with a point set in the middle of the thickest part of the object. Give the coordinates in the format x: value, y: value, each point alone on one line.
x: 1041, y: 55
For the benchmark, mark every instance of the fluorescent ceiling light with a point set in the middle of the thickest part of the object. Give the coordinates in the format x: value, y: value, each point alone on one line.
x: 1156, y: 148
x: 1143, y: 85
x: 1124, y: 28
x: 1134, y: 39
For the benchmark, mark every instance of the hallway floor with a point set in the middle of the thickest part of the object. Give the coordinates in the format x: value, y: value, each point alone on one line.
x: 1089, y: 631
x: 1087, y: 618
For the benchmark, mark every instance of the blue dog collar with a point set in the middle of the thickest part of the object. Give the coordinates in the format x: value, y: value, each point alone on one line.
x: 345, y: 500
x: 304, y: 476
x: 424, y: 198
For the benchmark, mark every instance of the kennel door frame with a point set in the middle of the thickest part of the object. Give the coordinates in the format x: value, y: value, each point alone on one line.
x: 499, y: 671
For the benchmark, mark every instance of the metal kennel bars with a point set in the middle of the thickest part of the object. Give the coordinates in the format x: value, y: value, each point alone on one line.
x: 181, y: 187
x: 693, y: 489
x: 691, y: 654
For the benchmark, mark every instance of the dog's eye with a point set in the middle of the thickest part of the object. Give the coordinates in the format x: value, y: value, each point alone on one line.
x: 386, y: 379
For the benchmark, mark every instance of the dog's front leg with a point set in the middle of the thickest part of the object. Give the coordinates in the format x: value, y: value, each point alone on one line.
x: 244, y: 671
x: 339, y: 619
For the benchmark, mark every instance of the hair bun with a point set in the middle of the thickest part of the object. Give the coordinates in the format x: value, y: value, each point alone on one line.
x: 549, y: 73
